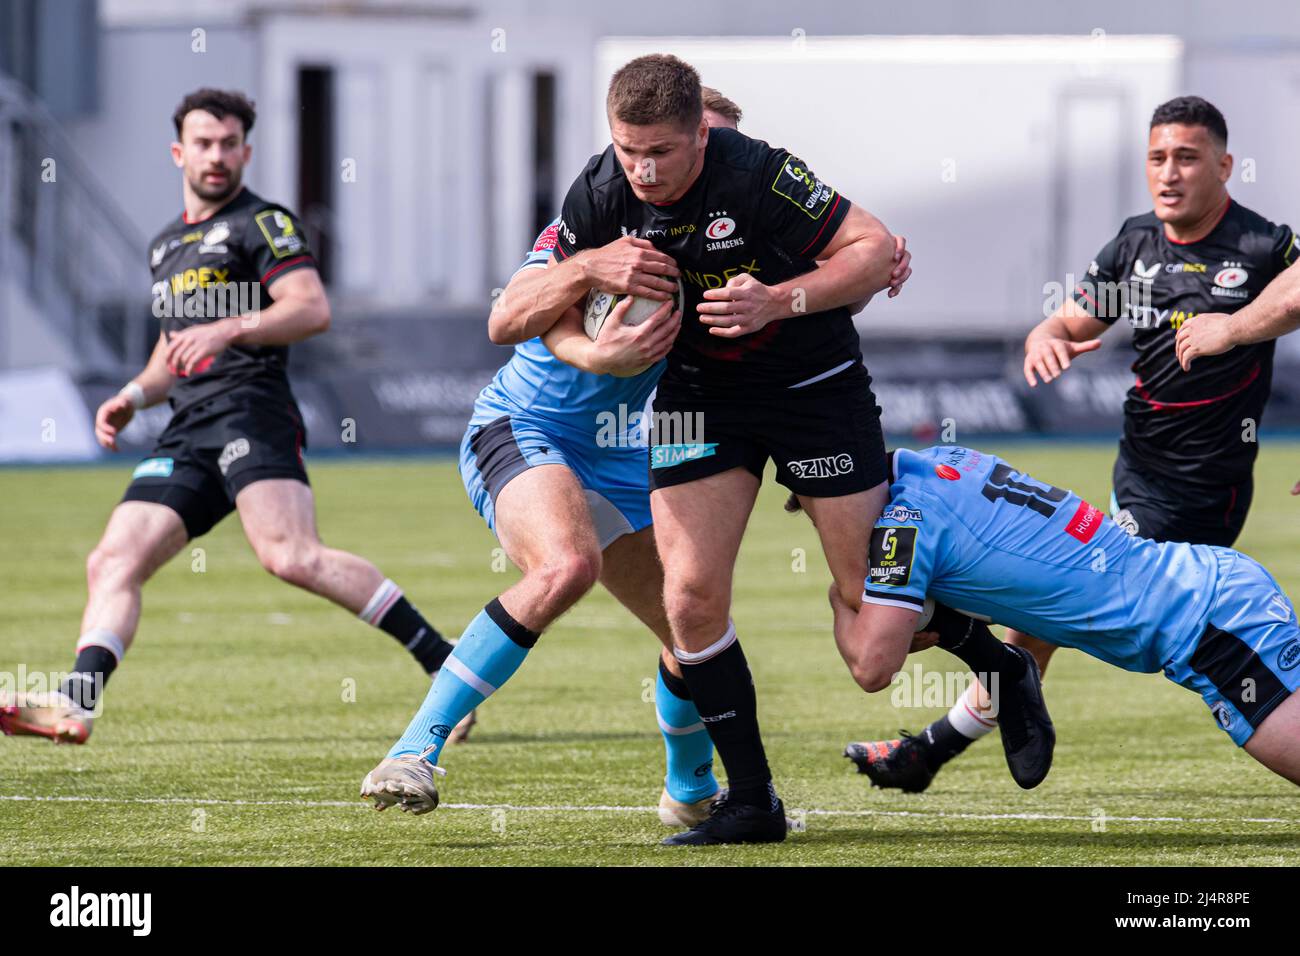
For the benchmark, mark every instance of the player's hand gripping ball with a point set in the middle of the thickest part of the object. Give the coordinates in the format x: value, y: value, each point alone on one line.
x: 600, y: 306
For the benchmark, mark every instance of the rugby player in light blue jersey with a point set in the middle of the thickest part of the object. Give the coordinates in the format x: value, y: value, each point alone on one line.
x: 555, y: 462
x: 1184, y: 471
x: 967, y: 530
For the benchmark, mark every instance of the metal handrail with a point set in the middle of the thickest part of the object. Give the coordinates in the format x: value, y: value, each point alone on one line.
x: 18, y: 99
x: 59, y: 230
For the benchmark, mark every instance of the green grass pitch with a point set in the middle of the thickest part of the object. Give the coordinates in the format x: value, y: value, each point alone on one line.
x: 244, y: 718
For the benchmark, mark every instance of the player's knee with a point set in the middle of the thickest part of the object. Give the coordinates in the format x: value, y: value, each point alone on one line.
x: 1276, y: 742
x: 107, y: 565
x: 97, y: 566
x: 564, y: 578
x: 695, y: 606
x: 299, y: 566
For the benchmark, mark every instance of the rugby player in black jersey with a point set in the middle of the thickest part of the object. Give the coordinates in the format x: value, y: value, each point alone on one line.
x: 1183, y: 472
x: 234, y: 285
x: 1275, y: 313
x: 767, y: 365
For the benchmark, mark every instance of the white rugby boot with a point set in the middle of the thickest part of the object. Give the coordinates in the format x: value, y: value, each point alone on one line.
x: 52, y: 714
x: 675, y: 813
x: 406, y: 782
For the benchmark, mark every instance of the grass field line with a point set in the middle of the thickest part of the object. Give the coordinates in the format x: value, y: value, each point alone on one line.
x: 599, y: 808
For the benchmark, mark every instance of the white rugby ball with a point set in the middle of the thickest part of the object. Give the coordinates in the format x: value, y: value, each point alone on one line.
x: 600, y: 305
x: 927, y: 612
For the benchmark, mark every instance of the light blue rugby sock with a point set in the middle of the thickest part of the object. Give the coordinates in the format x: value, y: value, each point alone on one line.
x: 489, y: 652
x: 687, y: 745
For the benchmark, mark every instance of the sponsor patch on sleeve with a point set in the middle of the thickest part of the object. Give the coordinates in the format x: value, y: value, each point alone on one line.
x: 1085, y: 522
x: 797, y: 183
x: 891, y: 555
x: 901, y: 513
x: 280, y: 232
x: 549, y: 238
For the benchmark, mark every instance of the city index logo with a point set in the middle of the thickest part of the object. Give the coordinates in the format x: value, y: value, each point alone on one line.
x: 714, y: 280
x: 1149, y: 317
x: 192, y: 279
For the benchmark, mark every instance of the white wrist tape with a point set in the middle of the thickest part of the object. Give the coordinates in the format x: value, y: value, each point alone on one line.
x: 134, y: 394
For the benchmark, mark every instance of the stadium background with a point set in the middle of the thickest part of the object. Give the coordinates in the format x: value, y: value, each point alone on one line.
x: 424, y: 143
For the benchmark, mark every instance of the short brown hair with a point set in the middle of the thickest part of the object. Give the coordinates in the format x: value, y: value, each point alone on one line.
x: 715, y: 101
x: 658, y: 88
x: 220, y: 103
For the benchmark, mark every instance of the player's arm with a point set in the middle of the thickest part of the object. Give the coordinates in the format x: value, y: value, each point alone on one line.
x: 1275, y: 313
x: 148, y: 388
x: 581, y: 260
x: 853, y: 266
x: 619, y: 349
x: 875, y: 637
x: 299, y: 310
x: 874, y: 640
x: 1086, y: 313
x: 155, y: 380
x: 902, y: 271
x: 535, y: 299
x: 1067, y: 332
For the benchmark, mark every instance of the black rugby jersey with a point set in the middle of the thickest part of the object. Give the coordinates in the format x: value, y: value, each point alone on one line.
x: 752, y: 209
x: 218, y: 267
x: 1192, y: 425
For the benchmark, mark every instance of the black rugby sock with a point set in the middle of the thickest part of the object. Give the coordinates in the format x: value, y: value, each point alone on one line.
x: 392, y: 613
x: 940, y: 742
x: 974, y: 644
x: 723, y: 690
x: 89, y: 675
x: 417, y: 635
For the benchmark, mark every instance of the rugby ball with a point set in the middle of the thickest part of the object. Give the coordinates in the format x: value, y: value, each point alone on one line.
x: 927, y: 612
x: 600, y: 305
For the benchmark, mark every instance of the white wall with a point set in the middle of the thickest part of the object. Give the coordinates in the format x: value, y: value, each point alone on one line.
x: 436, y: 218
x: 1005, y: 161
x: 1257, y: 90
x: 144, y: 72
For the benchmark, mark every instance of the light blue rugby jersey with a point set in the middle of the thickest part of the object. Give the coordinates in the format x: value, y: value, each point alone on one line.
x: 970, y: 531
x: 537, y: 385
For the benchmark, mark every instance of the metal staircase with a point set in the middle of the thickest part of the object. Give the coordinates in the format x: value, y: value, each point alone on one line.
x: 68, y: 254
